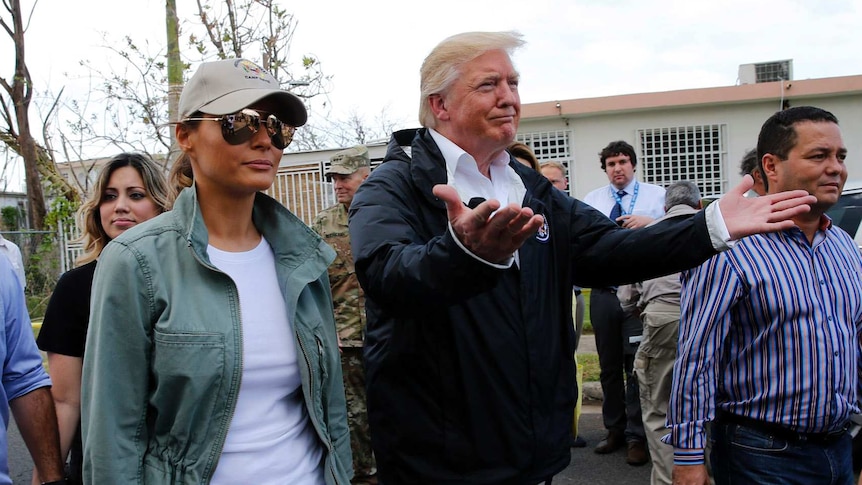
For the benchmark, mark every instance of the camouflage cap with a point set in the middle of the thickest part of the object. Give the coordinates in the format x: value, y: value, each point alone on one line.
x: 348, y: 161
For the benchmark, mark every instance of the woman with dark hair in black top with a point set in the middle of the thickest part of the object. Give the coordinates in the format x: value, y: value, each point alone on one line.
x: 131, y: 189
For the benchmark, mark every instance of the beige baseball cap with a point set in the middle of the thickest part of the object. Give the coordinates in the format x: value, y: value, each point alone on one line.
x: 348, y: 161
x: 227, y: 86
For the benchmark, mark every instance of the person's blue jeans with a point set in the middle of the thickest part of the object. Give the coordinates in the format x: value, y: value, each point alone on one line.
x: 742, y: 455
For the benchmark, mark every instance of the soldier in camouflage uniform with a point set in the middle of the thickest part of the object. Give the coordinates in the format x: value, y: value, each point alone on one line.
x: 349, y: 168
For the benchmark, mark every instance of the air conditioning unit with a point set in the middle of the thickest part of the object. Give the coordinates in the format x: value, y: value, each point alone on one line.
x: 766, y: 72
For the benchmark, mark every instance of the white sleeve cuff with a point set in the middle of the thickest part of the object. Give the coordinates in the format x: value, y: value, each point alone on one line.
x: 505, y: 265
x: 718, y: 233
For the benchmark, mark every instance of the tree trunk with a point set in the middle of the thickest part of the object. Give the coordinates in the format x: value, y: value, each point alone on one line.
x: 21, y: 92
x: 175, y: 74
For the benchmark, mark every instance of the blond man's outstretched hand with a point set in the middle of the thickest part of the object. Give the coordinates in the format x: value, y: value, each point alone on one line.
x: 494, y: 238
x: 745, y: 216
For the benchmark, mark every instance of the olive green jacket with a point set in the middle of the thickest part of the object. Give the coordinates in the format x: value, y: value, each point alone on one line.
x: 163, y: 361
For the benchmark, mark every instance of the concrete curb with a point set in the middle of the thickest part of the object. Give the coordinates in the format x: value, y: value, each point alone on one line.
x: 592, y: 392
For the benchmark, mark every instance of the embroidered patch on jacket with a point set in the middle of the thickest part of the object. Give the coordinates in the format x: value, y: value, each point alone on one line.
x: 544, y: 232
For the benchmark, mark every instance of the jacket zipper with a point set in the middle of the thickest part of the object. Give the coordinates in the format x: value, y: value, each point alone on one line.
x: 311, y: 381
x: 234, y: 394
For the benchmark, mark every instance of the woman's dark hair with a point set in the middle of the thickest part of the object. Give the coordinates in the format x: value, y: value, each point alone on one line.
x: 522, y: 151
x: 94, y: 237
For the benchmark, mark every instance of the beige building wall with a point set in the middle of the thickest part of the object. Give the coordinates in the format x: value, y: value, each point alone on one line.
x: 741, y: 115
x: 591, y: 123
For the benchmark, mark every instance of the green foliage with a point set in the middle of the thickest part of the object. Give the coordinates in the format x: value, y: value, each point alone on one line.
x: 588, y: 324
x: 43, y: 269
x: 43, y: 265
x: 589, y: 364
x: 37, y: 304
x: 12, y: 217
x: 62, y: 210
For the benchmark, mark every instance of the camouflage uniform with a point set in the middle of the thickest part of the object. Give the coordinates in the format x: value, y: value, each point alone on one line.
x: 349, y: 306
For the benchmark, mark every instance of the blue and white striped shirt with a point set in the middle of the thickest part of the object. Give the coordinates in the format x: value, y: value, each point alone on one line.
x: 769, y: 330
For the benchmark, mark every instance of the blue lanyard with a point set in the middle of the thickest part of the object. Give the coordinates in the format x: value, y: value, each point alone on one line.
x: 620, y: 199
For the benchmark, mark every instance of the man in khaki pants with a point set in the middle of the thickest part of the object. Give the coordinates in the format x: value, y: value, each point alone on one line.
x: 659, y: 301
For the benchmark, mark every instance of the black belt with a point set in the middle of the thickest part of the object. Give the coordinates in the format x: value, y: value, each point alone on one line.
x: 783, y: 432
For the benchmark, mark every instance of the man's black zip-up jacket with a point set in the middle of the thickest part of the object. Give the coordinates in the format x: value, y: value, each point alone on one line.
x: 470, y: 369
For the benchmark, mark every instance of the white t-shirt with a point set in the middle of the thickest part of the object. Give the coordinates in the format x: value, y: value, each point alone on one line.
x: 271, y: 439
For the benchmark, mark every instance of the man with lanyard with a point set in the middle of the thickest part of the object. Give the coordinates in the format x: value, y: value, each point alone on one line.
x: 632, y: 205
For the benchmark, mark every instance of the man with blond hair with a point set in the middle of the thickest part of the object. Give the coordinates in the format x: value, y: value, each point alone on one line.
x: 468, y: 259
x: 555, y: 172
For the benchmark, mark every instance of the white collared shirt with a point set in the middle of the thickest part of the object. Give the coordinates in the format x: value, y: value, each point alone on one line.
x: 463, y: 174
x: 11, y: 251
x: 649, y: 202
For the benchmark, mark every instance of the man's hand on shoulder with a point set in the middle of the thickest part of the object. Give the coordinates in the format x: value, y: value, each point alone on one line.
x: 690, y: 475
x: 745, y: 216
x: 492, y: 238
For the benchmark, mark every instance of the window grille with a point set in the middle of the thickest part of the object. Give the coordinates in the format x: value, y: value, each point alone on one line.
x: 71, y: 246
x: 692, y: 153
x: 773, y: 71
x: 303, y: 190
x: 550, y: 146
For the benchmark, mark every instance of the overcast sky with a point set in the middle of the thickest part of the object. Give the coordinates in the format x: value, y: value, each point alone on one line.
x: 575, y: 48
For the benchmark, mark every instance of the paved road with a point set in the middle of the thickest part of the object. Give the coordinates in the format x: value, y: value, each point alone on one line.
x: 589, y: 468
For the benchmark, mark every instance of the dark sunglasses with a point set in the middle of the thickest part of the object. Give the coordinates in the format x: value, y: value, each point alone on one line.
x: 240, y: 127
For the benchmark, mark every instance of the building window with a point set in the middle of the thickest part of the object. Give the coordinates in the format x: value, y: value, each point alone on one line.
x: 692, y: 153
x: 548, y: 145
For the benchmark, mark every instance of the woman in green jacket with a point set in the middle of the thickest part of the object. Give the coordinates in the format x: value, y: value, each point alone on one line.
x: 212, y: 356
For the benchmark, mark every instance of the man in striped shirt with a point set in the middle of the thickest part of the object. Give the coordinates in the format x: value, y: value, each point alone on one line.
x: 770, y: 331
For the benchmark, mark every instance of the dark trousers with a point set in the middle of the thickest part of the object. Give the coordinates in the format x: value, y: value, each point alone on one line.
x: 621, y: 409
x: 743, y: 454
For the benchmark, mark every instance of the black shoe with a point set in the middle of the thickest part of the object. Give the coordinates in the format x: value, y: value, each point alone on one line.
x: 636, y: 454
x: 612, y: 442
x: 579, y: 442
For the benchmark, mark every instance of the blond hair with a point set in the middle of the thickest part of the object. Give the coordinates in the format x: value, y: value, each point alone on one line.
x: 559, y: 166
x: 441, y: 68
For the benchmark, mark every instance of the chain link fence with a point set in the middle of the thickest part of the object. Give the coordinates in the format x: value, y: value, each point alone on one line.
x: 45, y: 258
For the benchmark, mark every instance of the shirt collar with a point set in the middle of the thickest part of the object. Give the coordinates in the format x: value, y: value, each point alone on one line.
x: 455, y: 155
x: 824, y: 225
x: 825, y: 222
x: 628, y: 188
